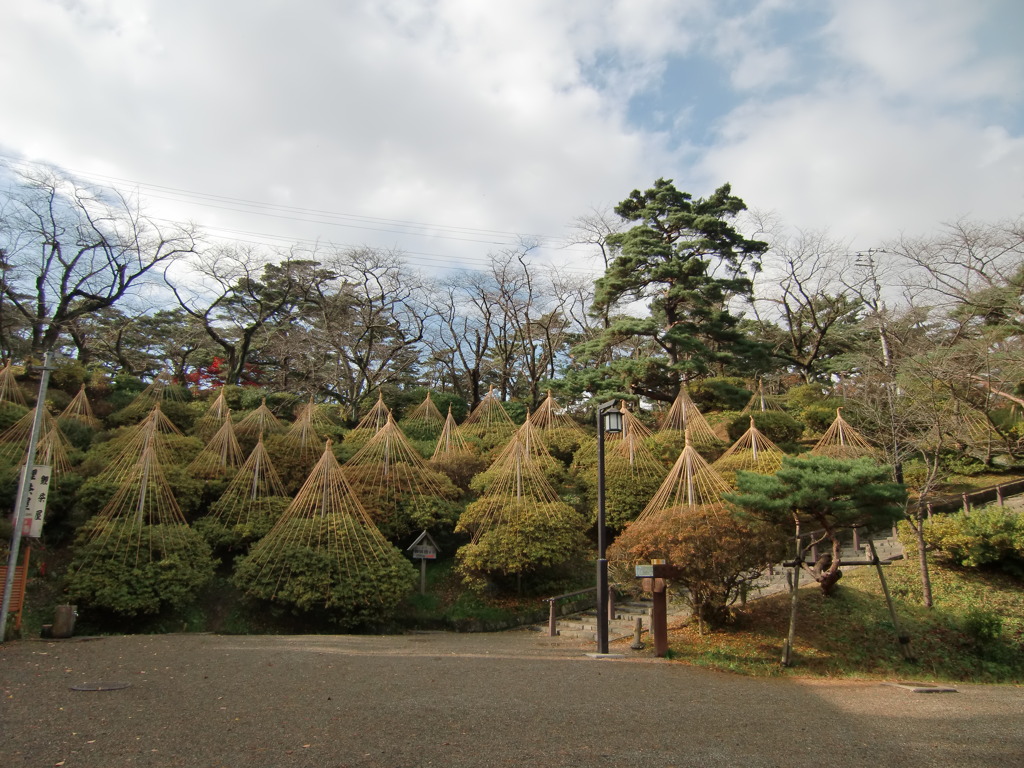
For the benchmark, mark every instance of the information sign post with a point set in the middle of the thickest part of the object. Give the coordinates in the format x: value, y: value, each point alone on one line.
x: 423, y: 549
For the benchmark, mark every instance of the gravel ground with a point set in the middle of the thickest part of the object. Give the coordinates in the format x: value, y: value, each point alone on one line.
x: 506, y: 699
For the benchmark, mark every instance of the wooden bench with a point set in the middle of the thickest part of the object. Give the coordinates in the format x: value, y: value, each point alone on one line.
x: 18, y: 590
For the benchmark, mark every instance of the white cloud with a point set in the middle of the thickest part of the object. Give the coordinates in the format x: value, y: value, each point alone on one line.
x: 511, y: 116
x: 927, y: 49
x: 462, y: 116
x: 851, y: 165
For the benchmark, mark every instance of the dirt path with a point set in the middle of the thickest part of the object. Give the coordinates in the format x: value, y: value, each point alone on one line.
x: 504, y: 699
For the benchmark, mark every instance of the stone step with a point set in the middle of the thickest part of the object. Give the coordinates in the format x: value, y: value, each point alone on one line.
x: 583, y: 625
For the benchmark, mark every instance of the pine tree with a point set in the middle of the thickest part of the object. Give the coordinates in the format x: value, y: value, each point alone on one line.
x: 824, y: 496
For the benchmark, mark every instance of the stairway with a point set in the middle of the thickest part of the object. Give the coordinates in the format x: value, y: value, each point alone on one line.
x: 774, y: 581
x: 583, y: 625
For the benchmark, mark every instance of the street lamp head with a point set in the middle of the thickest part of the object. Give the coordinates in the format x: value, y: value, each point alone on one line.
x: 612, y: 421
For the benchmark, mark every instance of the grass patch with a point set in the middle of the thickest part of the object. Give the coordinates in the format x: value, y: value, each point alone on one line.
x: 974, y: 633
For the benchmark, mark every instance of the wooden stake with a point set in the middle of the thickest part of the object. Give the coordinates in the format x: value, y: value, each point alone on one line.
x: 904, y: 639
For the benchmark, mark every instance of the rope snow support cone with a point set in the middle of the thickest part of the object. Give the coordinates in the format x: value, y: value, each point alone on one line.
x: 207, y: 425
x: 752, y: 452
x: 80, y: 410
x: 551, y: 416
x: 684, y: 416
x: 260, y: 421
x: 394, y: 483
x: 250, y: 505
x: 51, y: 449
x: 489, y: 418
x: 426, y: 414
x: 158, y: 390
x: 691, y: 483
x: 451, y: 441
x: 515, y: 483
x: 126, y: 447
x: 10, y: 390
x: 841, y: 441
x: 221, y: 456
x: 304, y: 433
x: 761, y: 401
x: 325, y: 521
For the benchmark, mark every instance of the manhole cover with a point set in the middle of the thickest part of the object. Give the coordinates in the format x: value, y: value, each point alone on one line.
x: 922, y: 687
x: 99, y: 686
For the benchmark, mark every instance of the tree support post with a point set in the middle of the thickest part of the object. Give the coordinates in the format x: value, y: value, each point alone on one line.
x: 794, y: 586
x: 903, y: 638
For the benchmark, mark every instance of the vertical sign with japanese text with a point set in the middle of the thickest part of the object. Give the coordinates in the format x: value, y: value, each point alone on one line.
x: 35, y: 502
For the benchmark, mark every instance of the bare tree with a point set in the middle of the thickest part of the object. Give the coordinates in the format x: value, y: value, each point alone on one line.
x: 372, y: 323
x: 237, y: 292
x: 463, y: 332
x: 68, y: 250
x: 800, y: 303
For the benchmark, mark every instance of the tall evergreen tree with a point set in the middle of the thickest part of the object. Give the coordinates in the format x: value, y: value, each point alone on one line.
x: 685, y: 260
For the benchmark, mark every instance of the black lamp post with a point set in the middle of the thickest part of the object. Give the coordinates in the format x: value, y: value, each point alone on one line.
x: 609, y: 419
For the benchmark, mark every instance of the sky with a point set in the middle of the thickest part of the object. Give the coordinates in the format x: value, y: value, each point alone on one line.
x: 451, y: 129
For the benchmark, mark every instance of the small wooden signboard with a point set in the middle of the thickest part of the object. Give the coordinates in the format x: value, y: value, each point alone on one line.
x: 423, y: 549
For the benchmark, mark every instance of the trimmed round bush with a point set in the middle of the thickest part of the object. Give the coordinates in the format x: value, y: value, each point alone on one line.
x: 319, y: 582
x: 988, y: 537
x: 134, y: 569
x: 539, y: 535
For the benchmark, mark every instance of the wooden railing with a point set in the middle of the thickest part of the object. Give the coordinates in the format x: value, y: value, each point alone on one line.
x: 18, y: 590
x: 965, y: 501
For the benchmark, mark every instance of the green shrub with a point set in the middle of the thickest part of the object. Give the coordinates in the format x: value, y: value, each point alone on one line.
x: 992, y: 536
x: 817, y: 418
x: 719, y: 393
x: 227, y: 531
x: 536, y: 536
x: 78, y: 434
x: 563, y: 442
x: 982, y: 625
x: 320, y: 582
x: 627, y: 491
x: 460, y: 468
x: 964, y: 465
x: 413, y: 500
x: 10, y: 414
x: 419, y: 430
x: 804, y: 395
x: 68, y: 376
x: 445, y: 399
x: 131, y: 569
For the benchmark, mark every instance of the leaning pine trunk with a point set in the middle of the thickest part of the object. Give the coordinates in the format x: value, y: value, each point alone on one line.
x: 828, y: 579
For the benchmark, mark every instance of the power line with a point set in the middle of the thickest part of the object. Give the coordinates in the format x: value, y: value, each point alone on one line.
x: 422, y: 258
x: 309, y: 215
